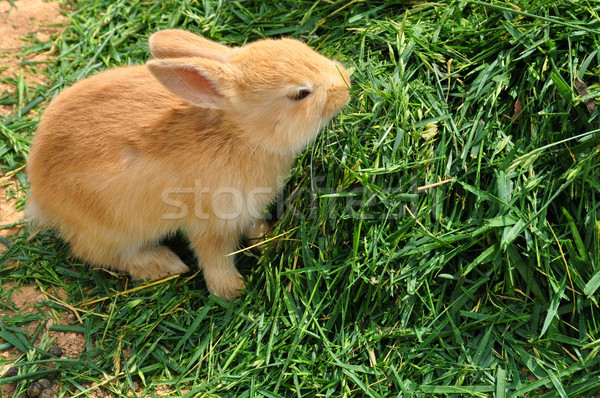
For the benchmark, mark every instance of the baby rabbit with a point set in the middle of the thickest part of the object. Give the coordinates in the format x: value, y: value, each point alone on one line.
x: 199, y: 139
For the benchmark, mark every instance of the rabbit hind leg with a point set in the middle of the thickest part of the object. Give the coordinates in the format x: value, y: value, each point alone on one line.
x: 99, y: 245
x: 141, y: 262
x: 152, y: 262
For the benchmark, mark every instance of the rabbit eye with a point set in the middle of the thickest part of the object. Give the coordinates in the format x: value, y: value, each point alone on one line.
x: 301, y: 94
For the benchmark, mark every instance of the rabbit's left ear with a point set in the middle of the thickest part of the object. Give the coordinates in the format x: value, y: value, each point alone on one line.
x: 177, y: 43
x: 204, y: 82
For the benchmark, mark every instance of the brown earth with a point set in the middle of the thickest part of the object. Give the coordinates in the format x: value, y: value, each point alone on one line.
x: 9, y: 215
x: 30, y: 18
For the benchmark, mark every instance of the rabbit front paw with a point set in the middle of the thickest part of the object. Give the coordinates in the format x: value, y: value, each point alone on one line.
x: 226, y: 284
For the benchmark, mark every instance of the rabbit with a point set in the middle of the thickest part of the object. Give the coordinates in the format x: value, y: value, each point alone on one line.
x: 199, y: 139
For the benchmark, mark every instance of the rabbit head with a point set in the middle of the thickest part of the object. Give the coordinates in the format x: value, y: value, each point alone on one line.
x: 276, y: 93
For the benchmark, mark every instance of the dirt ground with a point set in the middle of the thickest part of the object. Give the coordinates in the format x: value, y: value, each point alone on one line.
x: 30, y: 18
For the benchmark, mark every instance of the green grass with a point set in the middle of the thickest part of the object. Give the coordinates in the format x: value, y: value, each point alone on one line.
x: 484, y: 285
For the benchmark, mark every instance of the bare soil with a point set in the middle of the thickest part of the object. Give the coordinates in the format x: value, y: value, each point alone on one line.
x: 9, y: 215
x: 30, y: 18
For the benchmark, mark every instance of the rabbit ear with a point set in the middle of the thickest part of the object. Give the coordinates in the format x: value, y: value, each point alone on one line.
x: 202, y: 83
x: 177, y: 43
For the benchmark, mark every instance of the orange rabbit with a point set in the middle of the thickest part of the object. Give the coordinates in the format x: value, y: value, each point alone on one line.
x: 199, y: 139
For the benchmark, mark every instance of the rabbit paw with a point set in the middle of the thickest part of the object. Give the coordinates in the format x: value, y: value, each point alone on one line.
x: 226, y: 284
x: 153, y: 263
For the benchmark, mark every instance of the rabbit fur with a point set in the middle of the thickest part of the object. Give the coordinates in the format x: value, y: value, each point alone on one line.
x: 198, y: 139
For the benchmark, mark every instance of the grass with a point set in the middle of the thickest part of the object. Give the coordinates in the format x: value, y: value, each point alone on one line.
x: 442, y: 236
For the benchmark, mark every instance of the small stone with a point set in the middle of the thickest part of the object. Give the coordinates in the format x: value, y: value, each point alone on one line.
x: 34, y: 390
x: 11, y: 372
x: 37, y: 387
x: 48, y: 393
x: 56, y: 351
